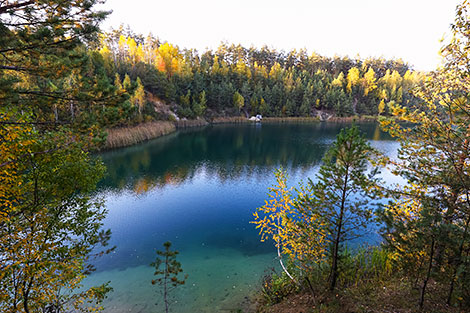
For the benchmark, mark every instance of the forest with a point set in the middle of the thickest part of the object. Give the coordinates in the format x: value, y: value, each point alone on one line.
x: 235, y: 80
x: 127, y: 79
x: 64, y: 82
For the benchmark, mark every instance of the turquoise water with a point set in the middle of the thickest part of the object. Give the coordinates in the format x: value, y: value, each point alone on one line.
x: 198, y: 189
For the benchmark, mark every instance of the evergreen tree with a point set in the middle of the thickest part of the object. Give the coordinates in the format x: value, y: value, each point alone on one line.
x: 342, y: 194
x: 238, y: 101
x: 49, y: 86
x: 199, y: 104
x: 427, y: 224
x: 168, y: 275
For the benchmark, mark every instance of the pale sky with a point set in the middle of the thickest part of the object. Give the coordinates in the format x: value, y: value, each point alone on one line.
x: 406, y: 29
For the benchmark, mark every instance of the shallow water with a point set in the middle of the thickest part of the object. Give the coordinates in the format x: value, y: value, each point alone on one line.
x: 198, y: 189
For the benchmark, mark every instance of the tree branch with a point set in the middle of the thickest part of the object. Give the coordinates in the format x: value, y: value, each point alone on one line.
x: 36, y: 153
x: 15, y: 5
x: 13, y: 68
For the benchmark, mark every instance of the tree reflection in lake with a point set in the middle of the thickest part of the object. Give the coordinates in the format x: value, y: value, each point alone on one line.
x: 198, y: 189
x: 224, y: 151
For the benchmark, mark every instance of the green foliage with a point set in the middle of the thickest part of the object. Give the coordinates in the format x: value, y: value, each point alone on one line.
x: 238, y: 100
x: 51, y: 87
x: 427, y: 222
x: 199, y: 104
x: 49, y: 221
x: 341, y: 196
x: 257, y: 80
x: 365, y: 264
x: 167, y: 270
x: 312, y: 228
x: 297, y: 233
x: 276, y: 287
x: 185, y: 109
x: 364, y: 269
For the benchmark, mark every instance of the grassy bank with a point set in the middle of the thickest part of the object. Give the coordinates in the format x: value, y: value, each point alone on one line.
x: 373, y: 296
x: 127, y: 136
x: 370, y: 282
x: 131, y: 135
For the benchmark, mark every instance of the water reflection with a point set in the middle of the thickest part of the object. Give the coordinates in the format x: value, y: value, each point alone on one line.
x: 198, y: 189
x: 227, y: 152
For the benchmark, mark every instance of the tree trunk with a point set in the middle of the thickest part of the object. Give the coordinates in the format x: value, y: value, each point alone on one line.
x: 165, y: 291
x: 311, y: 290
x: 56, y: 113
x: 339, y: 225
x: 415, y: 285
x: 457, y: 263
x: 26, y: 290
x: 428, y: 274
x: 280, y: 256
x: 72, y: 113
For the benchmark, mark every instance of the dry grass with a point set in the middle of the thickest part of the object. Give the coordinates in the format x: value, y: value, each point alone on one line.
x: 393, y: 296
x: 127, y: 136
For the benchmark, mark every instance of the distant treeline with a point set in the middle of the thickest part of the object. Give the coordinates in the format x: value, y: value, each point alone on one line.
x: 234, y: 80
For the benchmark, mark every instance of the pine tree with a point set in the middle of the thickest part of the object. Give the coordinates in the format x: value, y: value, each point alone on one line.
x: 168, y: 275
x: 431, y: 215
x: 199, y: 104
x: 238, y: 101
x: 49, y: 224
x: 342, y: 194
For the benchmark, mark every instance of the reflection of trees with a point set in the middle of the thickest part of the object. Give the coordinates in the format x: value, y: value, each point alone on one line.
x: 224, y: 151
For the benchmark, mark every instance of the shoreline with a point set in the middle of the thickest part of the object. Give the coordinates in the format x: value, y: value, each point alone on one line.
x: 127, y: 136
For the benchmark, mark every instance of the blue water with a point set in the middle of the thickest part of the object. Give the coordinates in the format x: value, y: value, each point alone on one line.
x: 199, y: 189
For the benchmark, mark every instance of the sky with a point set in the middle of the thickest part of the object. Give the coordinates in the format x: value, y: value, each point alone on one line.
x: 408, y: 29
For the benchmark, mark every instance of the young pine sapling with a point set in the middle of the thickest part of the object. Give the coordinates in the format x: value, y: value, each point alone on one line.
x: 167, y: 270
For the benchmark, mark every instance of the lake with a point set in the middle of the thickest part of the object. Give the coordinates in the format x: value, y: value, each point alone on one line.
x: 198, y: 188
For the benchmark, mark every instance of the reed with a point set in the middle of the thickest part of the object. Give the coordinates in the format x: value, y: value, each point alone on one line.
x: 127, y: 136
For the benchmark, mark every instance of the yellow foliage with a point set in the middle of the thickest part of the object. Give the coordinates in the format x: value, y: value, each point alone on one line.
x: 381, y: 106
x: 279, y: 220
x: 369, y: 81
x: 338, y: 81
x: 352, y: 78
